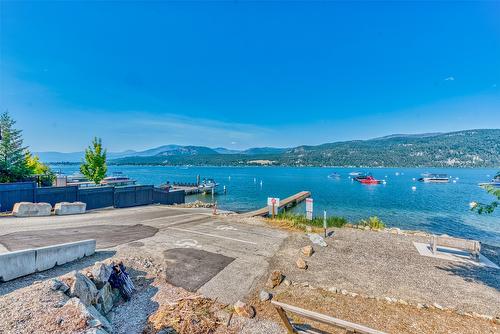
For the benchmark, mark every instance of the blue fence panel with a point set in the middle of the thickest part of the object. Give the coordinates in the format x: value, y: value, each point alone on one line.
x: 169, y: 196
x: 97, y: 197
x: 11, y: 193
x: 55, y: 195
x: 133, y: 196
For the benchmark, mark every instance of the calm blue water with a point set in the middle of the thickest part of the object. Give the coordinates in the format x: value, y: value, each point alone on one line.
x: 438, y: 208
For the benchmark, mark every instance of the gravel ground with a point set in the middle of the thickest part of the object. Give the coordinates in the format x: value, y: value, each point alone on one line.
x: 390, y: 318
x: 387, y: 265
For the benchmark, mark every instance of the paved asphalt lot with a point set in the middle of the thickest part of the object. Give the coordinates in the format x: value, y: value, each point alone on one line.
x: 218, y: 257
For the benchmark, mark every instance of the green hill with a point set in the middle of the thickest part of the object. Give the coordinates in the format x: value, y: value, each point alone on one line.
x: 469, y: 148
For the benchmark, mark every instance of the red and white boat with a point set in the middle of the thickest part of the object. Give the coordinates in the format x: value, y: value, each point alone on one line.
x: 367, y: 179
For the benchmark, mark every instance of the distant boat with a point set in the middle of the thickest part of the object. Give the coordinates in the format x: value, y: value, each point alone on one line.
x: 495, y: 182
x: 118, y: 180
x: 334, y: 176
x: 367, y: 179
x: 434, y: 178
x: 208, y: 186
x: 356, y: 173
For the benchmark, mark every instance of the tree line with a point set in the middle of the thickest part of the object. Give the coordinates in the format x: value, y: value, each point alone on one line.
x: 18, y: 164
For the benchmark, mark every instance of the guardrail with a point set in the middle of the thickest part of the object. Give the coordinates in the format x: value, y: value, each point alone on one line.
x: 28, y: 261
x: 349, y: 327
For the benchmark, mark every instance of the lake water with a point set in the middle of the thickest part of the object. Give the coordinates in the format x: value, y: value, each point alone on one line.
x: 437, y: 208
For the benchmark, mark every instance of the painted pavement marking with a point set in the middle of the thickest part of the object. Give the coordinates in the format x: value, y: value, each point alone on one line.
x: 212, y: 235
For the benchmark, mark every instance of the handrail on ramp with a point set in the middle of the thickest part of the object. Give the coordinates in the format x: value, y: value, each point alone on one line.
x: 349, y: 327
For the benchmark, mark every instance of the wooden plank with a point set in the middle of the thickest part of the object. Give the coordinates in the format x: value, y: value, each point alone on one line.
x: 349, y: 326
x: 285, y: 320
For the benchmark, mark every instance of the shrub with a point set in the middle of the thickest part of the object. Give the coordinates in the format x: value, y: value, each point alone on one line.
x: 373, y: 222
x: 297, y: 220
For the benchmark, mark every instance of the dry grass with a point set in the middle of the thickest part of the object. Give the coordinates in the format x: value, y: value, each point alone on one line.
x: 189, y: 315
x: 390, y: 318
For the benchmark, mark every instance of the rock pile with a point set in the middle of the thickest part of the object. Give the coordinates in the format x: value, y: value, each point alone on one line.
x: 196, y: 204
x: 90, y: 295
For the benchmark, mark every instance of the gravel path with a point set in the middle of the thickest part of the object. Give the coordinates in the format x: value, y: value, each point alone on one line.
x: 387, y: 265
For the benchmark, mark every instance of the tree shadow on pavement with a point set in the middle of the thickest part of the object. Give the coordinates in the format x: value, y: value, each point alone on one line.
x: 483, y: 275
x: 21, y: 282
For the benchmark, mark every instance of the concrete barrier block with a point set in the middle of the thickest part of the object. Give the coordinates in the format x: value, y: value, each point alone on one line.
x: 66, y: 208
x: 50, y: 256
x: 28, y: 209
x: 17, y: 264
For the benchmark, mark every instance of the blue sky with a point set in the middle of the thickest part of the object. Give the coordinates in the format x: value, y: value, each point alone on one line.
x: 243, y: 74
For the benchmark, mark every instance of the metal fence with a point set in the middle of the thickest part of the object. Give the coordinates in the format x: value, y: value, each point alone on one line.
x: 11, y: 193
x: 99, y: 197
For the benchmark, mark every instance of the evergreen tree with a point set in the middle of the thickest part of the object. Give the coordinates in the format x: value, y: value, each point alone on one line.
x: 94, y: 167
x: 12, y: 152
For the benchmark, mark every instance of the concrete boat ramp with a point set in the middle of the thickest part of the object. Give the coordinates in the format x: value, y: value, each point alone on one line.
x: 222, y: 258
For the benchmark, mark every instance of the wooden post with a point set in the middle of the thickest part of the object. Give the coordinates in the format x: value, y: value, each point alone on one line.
x: 434, y: 244
x: 285, y: 320
x: 324, y: 221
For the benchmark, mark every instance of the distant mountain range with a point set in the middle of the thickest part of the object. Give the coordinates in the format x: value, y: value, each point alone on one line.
x: 161, y: 151
x: 468, y: 148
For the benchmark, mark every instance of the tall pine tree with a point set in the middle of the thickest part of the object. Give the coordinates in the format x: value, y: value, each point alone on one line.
x: 12, y: 152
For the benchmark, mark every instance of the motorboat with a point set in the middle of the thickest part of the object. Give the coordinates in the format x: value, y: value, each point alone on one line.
x: 434, y: 178
x: 334, y: 176
x: 118, y: 180
x: 495, y: 182
x: 356, y: 173
x: 367, y: 179
x: 208, y: 186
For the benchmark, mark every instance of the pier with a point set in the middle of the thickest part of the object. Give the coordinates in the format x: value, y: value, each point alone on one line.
x: 286, y: 203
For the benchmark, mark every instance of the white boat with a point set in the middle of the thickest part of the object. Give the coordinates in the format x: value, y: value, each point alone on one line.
x: 356, y: 173
x: 495, y: 182
x: 118, y: 180
x: 208, y: 186
x: 434, y: 178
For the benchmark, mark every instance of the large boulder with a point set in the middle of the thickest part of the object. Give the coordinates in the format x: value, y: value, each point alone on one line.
x: 66, y: 208
x: 28, y: 209
x: 100, y: 274
x: 93, y: 317
x: 82, y: 287
x: 105, y: 299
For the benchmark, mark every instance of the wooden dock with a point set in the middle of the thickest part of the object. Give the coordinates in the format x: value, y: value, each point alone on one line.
x: 286, y: 203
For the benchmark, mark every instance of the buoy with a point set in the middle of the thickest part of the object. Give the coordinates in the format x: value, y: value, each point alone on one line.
x: 414, y: 179
x: 229, y: 177
x: 413, y: 188
x: 261, y: 183
x: 454, y: 181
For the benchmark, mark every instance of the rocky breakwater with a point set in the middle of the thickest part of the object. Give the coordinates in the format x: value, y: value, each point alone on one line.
x: 90, y: 296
